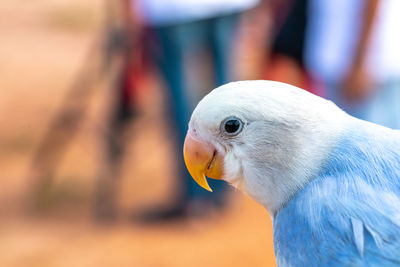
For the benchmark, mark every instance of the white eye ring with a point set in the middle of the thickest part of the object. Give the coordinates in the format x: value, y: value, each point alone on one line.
x: 232, y: 126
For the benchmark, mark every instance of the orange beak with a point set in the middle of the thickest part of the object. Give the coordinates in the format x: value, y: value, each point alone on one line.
x: 202, y: 160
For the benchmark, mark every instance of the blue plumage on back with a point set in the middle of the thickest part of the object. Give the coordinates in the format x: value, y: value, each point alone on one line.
x: 349, y: 215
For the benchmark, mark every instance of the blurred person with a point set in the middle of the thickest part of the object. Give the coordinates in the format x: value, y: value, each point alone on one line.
x: 183, y: 31
x: 285, y: 62
x: 353, y: 51
x: 125, y: 57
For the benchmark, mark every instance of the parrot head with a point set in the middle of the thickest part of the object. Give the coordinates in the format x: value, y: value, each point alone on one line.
x: 265, y: 138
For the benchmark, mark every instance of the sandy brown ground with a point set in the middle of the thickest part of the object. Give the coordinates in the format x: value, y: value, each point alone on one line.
x: 42, y: 46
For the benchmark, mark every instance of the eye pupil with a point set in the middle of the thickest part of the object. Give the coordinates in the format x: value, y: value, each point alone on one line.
x: 232, y: 126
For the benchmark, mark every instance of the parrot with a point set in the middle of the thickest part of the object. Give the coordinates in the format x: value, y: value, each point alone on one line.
x: 329, y: 181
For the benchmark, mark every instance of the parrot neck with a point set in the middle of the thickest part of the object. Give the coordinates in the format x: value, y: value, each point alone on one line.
x: 362, y: 149
x: 281, y: 174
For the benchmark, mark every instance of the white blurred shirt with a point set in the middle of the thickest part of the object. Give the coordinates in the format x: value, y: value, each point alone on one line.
x: 331, y: 37
x: 165, y: 12
x: 383, y: 60
x: 333, y: 30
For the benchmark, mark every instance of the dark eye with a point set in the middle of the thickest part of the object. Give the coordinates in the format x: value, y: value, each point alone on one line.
x: 232, y: 126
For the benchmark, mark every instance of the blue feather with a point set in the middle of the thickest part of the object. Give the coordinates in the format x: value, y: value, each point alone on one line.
x: 349, y: 214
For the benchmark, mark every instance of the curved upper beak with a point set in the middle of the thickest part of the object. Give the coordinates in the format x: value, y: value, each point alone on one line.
x: 202, y: 160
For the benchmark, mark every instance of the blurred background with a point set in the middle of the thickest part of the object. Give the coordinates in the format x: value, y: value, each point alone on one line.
x: 95, y: 97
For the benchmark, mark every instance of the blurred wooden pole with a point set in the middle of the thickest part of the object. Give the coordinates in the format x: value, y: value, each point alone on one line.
x: 104, y: 61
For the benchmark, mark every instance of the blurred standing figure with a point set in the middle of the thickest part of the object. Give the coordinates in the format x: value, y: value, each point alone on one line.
x: 285, y: 62
x: 184, y: 30
x: 353, y: 49
x: 124, y: 61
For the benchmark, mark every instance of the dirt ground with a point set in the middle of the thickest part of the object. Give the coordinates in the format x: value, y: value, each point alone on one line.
x: 43, y: 44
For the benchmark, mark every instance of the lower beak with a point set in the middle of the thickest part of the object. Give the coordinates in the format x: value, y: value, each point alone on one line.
x: 202, y: 159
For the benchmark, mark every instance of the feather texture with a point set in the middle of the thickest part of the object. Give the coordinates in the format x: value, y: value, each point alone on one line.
x: 350, y: 213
